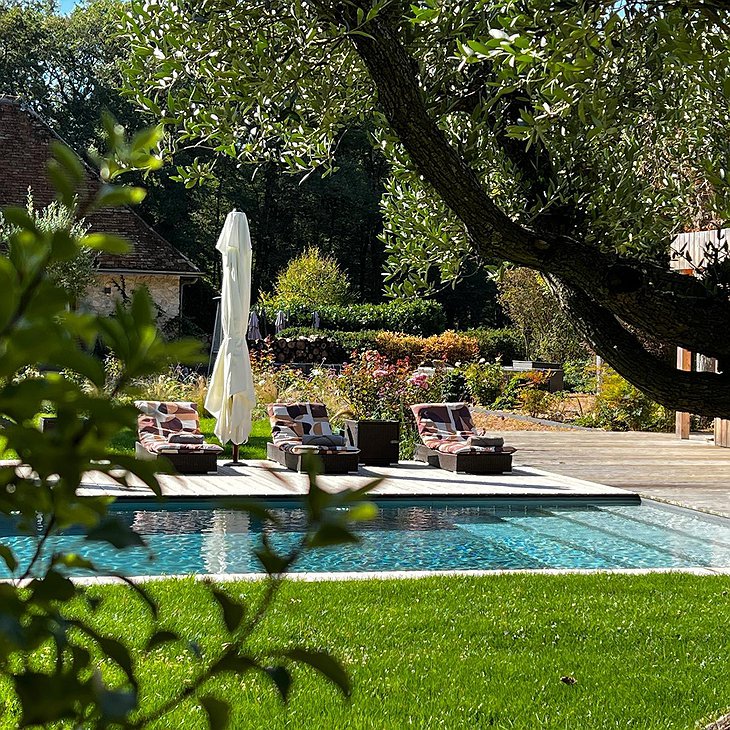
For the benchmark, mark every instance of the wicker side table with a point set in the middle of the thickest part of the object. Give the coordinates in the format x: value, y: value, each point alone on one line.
x: 378, y: 441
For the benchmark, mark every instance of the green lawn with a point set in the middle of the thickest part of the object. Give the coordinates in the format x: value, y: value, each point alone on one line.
x: 646, y: 651
x: 254, y: 449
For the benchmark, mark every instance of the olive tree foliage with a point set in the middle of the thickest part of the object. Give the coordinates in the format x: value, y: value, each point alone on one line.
x: 56, y: 663
x: 572, y: 138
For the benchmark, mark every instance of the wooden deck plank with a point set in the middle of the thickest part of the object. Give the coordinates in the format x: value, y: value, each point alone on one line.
x: 691, y: 472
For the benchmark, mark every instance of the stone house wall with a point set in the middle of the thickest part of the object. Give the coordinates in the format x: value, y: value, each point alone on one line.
x: 108, y: 287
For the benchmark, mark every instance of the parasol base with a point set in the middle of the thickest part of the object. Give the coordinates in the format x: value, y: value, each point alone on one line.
x: 235, y: 461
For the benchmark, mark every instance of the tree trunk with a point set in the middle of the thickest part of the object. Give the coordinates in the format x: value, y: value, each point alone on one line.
x: 601, y: 291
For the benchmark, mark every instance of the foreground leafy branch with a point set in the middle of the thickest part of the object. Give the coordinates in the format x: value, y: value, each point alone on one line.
x: 49, y: 652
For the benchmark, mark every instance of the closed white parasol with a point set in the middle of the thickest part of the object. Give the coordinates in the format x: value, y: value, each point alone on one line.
x: 231, y: 395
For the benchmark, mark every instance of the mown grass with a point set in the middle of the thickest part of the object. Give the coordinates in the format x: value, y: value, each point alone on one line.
x: 123, y: 442
x: 646, y: 651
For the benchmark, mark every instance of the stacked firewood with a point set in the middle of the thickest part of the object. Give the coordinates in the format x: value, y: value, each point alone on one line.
x: 314, y: 348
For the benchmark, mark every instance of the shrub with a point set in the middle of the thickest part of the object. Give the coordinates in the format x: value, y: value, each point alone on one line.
x: 534, y: 401
x: 579, y: 376
x: 454, y: 387
x: 358, y: 342
x: 74, y: 275
x: 485, y: 382
x: 312, y: 280
x: 376, y: 388
x: 511, y: 395
x: 537, y: 316
x: 502, y: 345
x: 177, y: 384
x: 451, y: 347
x: 619, y: 406
x: 397, y: 346
x: 417, y: 317
x: 349, y: 341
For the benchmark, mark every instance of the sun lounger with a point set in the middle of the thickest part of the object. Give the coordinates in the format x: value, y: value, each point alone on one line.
x: 172, y: 430
x: 451, y: 442
x: 300, y: 428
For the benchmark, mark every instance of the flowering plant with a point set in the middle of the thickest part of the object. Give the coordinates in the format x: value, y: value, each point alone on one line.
x: 376, y: 388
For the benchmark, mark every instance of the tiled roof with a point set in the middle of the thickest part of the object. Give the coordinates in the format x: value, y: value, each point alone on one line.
x: 24, y: 150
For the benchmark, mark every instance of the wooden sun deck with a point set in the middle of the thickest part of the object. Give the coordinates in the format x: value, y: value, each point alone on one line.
x: 691, y: 472
x: 548, y: 465
x: 264, y: 479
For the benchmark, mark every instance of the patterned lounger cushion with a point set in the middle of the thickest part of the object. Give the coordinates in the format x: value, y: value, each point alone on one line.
x: 159, y: 422
x: 447, y: 427
x: 290, y: 422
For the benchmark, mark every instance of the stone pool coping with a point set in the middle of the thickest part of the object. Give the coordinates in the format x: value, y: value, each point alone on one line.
x: 395, y: 575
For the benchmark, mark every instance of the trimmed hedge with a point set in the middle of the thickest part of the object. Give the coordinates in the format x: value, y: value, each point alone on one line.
x: 449, y: 346
x: 503, y: 344
x: 414, y: 317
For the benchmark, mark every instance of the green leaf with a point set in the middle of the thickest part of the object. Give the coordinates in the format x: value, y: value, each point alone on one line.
x: 115, y: 196
x: 61, y: 183
x: 53, y: 587
x: 218, y: 711
x: 326, y: 664
x: 8, y: 557
x: 231, y: 661
x: 362, y: 512
x: 116, y: 705
x: 19, y: 218
x: 272, y: 563
x: 115, y: 533
x: 81, y: 363
x: 69, y: 162
x: 332, y: 534
x: 9, y: 288
x: 72, y: 560
x: 233, y: 612
x: 46, y: 698
x: 63, y: 246
x: 106, y: 242
x: 119, y: 653
x: 253, y: 508
x: 479, y: 47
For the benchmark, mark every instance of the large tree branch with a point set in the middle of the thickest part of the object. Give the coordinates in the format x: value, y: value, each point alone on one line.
x: 672, y: 307
x: 706, y: 394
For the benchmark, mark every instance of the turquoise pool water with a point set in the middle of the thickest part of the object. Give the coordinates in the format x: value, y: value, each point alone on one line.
x: 460, y: 534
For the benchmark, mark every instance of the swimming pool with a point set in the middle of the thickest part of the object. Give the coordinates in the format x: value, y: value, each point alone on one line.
x: 454, y: 534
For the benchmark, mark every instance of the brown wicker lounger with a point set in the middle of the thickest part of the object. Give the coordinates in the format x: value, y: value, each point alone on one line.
x: 197, y: 462
x: 470, y: 463
x: 171, y: 430
x: 291, y: 423
x: 340, y: 463
x: 451, y: 442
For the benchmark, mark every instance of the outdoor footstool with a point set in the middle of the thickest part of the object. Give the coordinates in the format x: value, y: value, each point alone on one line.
x: 451, y: 442
x: 300, y: 428
x: 172, y: 430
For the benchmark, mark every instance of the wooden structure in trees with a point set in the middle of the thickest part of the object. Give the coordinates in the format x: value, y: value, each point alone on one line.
x: 692, y: 253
